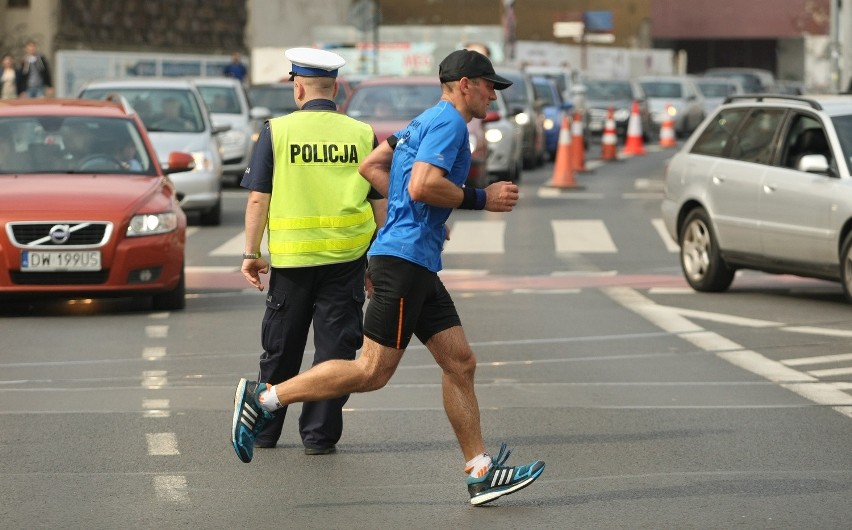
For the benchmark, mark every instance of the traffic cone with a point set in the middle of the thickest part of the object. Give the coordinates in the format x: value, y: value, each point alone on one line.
x: 578, y: 144
x: 609, y: 140
x: 667, y: 134
x: 634, y: 145
x: 563, y: 169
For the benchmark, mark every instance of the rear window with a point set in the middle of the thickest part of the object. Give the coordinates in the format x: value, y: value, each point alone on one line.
x: 843, y: 128
x: 755, y: 137
x: 392, y: 102
x: 662, y: 89
x: 161, y: 109
x: 278, y: 99
x: 221, y: 99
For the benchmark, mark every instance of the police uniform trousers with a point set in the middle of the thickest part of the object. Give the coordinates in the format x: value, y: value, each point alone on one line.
x: 332, y: 297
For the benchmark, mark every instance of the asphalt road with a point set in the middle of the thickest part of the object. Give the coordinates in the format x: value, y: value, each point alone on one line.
x: 652, y: 406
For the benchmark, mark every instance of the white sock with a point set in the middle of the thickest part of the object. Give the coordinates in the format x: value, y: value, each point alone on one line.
x: 269, y: 400
x: 479, y: 465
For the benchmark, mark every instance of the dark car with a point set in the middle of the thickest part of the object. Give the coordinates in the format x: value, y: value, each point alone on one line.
x: 277, y: 97
x: 618, y: 95
x: 549, y: 98
x: 520, y: 97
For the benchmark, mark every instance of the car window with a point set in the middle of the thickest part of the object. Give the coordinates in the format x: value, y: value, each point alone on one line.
x: 662, y: 89
x: 715, y: 90
x: 392, y: 102
x: 220, y: 99
x: 74, y: 144
x: 542, y: 90
x: 754, y: 139
x: 719, y: 132
x: 277, y: 98
x: 161, y: 109
x: 609, y: 90
x: 516, y: 95
x: 843, y: 128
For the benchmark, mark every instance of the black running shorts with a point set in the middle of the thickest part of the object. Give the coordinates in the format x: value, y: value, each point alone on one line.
x: 407, y: 299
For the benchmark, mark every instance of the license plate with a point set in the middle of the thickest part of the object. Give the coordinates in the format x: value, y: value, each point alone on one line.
x: 64, y: 260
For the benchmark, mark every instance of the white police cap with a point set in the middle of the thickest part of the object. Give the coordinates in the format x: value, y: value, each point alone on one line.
x: 313, y: 62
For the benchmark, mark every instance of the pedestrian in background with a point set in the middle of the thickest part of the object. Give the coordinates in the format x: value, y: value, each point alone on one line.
x: 235, y: 68
x: 320, y: 217
x: 421, y: 170
x: 35, y: 79
x: 9, y: 78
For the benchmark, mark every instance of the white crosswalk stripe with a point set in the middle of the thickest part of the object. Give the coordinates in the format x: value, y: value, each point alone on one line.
x: 582, y: 236
x: 476, y: 237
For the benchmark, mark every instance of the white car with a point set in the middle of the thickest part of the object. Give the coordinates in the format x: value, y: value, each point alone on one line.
x: 674, y: 98
x: 177, y: 120
x: 505, y: 142
x: 228, y: 104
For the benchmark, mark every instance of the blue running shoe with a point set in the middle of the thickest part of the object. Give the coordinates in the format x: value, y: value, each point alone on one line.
x: 249, y: 418
x: 502, y: 480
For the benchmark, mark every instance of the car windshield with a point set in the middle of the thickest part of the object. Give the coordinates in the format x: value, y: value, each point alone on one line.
x: 220, y: 99
x: 662, y: 89
x: 843, y: 128
x: 608, y: 90
x: 392, y: 101
x: 542, y: 90
x: 277, y: 98
x: 161, y: 109
x: 516, y: 95
x: 72, y: 144
x: 715, y: 90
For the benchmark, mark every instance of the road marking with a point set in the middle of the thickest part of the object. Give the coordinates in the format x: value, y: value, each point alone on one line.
x: 819, y: 331
x: 822, y: 359
x: 154, y: 379
x: 668, y: 319
x: 171, y: 488
x: 463, y: 272
x: 660, y: 227
x: 726, y: 319
x: 584, y: 273
x: 162, y: 444
x: 192, y: 230
x: 152, y: 353
x: 476, y: 237
x: 545, y: 192
x: 671, y: 290
x: 546, y: 291
x: 831, y: 372
x: 156, y: 408
x: 582, y: 235
x: 649, y: 184
x: 236, y: 245
x: 156, y: 332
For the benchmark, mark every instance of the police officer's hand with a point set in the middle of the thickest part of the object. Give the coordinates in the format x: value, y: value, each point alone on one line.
x: 501, y: 196
x: 252, y: 269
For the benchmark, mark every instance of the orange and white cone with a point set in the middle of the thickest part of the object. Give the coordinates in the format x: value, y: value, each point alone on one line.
x: 609, y: 140
x: 634, y: 144
x: 667, y: 134
x: 578, y: 144
x: 563, y: 169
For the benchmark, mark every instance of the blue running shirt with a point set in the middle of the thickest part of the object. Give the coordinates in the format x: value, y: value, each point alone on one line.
x: 415, y: 231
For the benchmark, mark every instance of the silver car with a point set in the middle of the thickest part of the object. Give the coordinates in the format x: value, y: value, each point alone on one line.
x: 675, y: 98
x: 229, y: 105
x: 505, y: 142
x: 765, y: 184
x: 177, y: 120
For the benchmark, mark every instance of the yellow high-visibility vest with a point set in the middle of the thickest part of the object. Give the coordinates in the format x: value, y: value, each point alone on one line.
x: 319, y: 212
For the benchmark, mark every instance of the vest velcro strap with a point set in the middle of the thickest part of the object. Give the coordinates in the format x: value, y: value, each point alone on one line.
x: 302, y: 223
x: 319, y: 245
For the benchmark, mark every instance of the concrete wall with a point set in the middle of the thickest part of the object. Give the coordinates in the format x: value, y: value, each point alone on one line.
x: 18, y: 25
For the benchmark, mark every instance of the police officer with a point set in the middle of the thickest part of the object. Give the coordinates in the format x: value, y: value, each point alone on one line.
x: 320, y: 216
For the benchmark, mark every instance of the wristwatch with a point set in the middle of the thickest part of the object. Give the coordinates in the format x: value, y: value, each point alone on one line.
x: 251, y: 255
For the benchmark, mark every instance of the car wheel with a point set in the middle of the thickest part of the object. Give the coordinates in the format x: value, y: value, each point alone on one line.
x: 173, y: 300
x: 846, y: 266
x: 702, y: 264
x: 213, y: 216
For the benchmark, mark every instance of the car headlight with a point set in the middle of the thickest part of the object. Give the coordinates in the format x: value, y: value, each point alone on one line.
x: 672, y: 110
x: 149, y: 224
x: 493, y: 135
x: 203, y: 160
x: 549, y: 124
x: 621, y: 114
x: 522, y: 118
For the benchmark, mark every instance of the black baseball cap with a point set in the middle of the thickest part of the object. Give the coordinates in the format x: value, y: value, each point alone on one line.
x: 470, y: 64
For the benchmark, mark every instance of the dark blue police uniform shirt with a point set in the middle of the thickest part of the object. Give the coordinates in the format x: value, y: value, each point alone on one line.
x: 258, y: 176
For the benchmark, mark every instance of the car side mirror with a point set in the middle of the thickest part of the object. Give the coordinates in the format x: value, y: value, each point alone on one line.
x: 178, y: 162
x: 219, y: 129
x: 814, y: 164
x: 491, y: 116
x: 260, y: 113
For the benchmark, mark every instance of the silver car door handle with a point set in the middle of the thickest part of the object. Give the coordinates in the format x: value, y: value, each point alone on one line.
x: 769, y: 188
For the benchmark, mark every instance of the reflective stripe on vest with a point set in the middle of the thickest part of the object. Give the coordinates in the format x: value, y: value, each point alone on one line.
x: 319, y: 213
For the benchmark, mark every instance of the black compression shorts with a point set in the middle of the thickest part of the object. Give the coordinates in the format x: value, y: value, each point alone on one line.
x: 407, y: 299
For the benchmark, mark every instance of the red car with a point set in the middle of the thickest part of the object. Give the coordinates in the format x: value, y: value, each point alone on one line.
x: 85, y: 208
x: 389, y: 103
